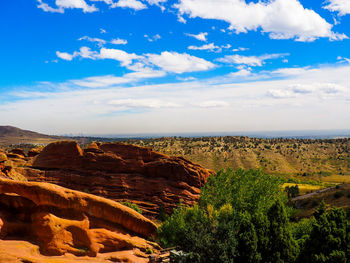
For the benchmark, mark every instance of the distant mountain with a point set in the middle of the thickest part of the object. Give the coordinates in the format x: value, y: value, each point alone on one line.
x: 13, y: 135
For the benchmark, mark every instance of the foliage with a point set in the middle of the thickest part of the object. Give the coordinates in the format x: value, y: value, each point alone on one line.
x: 251, y: 191
x: 292, y: 191
x: 241, y: 217
x: 132, y: 206
x: 329, y: 239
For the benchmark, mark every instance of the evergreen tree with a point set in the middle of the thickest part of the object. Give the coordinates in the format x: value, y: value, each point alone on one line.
x: 281, y: 246
x: 329, y: 239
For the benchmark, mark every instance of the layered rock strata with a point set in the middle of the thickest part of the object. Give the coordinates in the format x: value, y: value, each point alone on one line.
x: 64, y: 221
x: 120, y: 172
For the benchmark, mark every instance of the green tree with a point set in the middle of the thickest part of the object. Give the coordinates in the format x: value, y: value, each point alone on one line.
x: 329, y: 239
x: 241, y: 217
x: 282, y: 247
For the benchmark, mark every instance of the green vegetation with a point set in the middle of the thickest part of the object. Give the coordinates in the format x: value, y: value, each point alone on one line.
x: 242, y: 216
x: 132, y: 206
x: 306, y: 160
x: 292, y: 191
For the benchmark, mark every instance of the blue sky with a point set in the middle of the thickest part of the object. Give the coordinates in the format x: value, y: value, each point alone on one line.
x: 150, y: 66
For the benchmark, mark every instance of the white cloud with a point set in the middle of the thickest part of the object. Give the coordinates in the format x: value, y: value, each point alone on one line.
x: 139, y: 73
x: 249, y: 60
x: 340, y: 6
x: 168, y: 61
x: 211, y: 104
x: 241, y: 73
x: 111, y: 3
x: 201, y: 36
x: 343, y: 60
x: 99, y: 41
x: 102, y: 81
x: 181, y: 19
x: 119, y: 41
x: 67, y: 4
x: 240, y: 49
x: 153, y: 38
x: 142, y: 103
x: 210, y: 47
x: 179, y: 63
x: 158, y: 3
x: 313, y: 98
x: 64, y: 55
x: 282, y: 19
x: 321, y: 89
x: 133, y: 4
x: 119, y: 55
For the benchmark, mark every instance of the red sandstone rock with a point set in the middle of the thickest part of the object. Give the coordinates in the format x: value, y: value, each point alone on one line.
x: 121, y: 172
x: 35, y: 151
x: 64, y: 221
x: 18, y: 151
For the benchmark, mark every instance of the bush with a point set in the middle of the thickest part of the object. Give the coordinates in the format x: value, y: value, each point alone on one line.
x: 329, y: 239
x: 132, y: 206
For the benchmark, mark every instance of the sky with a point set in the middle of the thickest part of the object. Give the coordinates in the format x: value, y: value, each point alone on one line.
x: 174, y: 66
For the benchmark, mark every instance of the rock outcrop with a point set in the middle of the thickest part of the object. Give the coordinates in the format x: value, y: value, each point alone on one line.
x: 120, y: 172
x: 64, y: 221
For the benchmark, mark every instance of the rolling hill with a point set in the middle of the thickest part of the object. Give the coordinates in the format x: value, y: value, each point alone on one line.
x: 12, y: 135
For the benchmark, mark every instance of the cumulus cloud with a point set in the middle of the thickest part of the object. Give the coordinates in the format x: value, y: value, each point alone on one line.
x: 201, y: 36
x: 340, y: 6
x: 252, y: 61
x: 133, y: 4
x: 144, y: 65
x: 117, y: 54
x: 179, y: 63
x: 158, y: 3
x: 67, y: 4
x: 64, y: 55
x: 281, y: 19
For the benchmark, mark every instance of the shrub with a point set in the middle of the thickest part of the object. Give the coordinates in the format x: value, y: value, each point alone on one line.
x: 132, y: 206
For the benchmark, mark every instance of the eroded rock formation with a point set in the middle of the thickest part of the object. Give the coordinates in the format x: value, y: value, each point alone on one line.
x: 120, y: 172
x: 64, y: 221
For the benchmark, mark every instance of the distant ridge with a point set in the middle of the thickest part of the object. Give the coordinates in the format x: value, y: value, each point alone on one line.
x: 13, y: 135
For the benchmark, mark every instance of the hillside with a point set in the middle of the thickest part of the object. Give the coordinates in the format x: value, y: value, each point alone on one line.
x: 12, y: 135
x: 325, y: 160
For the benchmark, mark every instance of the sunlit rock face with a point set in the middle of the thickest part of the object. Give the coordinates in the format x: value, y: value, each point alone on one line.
x: 63, y: 221
x: 120, y: 172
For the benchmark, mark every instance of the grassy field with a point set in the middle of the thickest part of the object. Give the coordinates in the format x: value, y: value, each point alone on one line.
x: 305, y: 188
x: 304, y: 159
